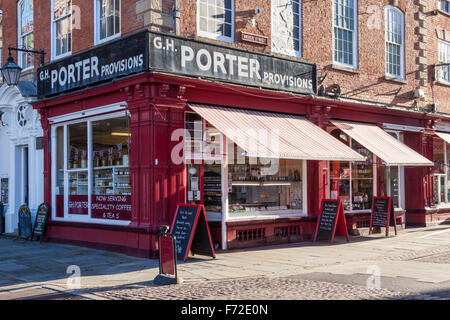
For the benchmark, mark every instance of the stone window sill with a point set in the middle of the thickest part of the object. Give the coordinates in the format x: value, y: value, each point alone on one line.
x: 396, y: 80
x: 443, y: 83
x: 344, y: 68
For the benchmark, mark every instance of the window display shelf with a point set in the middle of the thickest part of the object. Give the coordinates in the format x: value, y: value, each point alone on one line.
x: 112, y: 180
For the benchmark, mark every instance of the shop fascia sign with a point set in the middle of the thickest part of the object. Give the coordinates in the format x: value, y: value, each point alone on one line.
x: 159, y: 52
x: 119, y: 58
x: 194, y: 58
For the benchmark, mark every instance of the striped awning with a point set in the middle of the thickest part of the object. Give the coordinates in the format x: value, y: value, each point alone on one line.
x: 444, y: 136
x: 382, y: 144
x: 272, y: 135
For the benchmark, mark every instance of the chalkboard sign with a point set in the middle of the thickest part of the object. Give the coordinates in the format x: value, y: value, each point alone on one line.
x: 383, y: 214
x: 41, y: 222
x: 25, y: 229
x: 191, y: 231
x: 331, y: 221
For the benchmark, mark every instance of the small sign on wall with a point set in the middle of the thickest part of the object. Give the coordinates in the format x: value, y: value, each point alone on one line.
x: 39, y: 143
x: 254, y: 38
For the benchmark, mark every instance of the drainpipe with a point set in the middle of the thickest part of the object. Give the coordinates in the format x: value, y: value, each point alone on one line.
x: 176, y: 17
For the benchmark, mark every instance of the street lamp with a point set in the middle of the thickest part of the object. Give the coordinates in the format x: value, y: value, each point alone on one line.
x: 11, y: 71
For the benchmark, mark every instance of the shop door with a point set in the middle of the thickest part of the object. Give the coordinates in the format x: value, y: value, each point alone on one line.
x: 22, y: 187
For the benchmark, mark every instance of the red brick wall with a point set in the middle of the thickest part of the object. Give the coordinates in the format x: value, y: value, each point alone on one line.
x: 366, y: 83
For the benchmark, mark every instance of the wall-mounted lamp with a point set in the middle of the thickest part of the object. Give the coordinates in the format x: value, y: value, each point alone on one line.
x: 11, y: 71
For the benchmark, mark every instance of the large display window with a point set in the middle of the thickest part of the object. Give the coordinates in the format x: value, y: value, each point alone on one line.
x: 441, y: 158
x: 356, y: 183
x: 219, y: 172
x: 91, y: 174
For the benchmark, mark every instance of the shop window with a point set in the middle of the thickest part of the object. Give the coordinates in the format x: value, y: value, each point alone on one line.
x: 352, y: 183
x: 286, y: 27
x: 395, y: 52
x: 215, y: 19
x: 213, y: 187
x: 59, y: 173
x: 444, y: 57
x: 440, y: 171
x: 345, y: 25
x: 61, y: 28
x: 26, y: 40
x: 107, y: 20
x: 78, y: 169
x: 254, y: 191
x: 94, y: 180
x: 194, y: 136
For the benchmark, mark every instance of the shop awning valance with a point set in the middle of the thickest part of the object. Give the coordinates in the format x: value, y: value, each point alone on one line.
x: 271, y: 135
x: 382, y: 144
x: 444, y: 136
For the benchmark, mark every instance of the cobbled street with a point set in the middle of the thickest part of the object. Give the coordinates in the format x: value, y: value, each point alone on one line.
x: 415, y: 265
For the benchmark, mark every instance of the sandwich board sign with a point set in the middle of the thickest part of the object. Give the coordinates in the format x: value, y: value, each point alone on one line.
x: 383, y: 214
x: 25, y: 228
x: 40, y: 224
x: 331, y: 221
x: 190, y: 228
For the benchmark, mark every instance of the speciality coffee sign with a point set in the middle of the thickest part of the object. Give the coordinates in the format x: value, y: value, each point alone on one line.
x: 194, y: 58
x: 119, y: 58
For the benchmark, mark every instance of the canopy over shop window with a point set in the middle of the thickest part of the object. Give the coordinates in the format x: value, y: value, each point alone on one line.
x: 444, y: 136
x: 382, y: 144
x: 271, y: 135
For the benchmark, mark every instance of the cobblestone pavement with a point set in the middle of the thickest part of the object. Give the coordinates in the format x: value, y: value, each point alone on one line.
x: 262, y: 288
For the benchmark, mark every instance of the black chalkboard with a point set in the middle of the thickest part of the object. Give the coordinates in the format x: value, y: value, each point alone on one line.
x: 380, y: 212
x: 383, y: 214
x: 41, y: 222
x: 327, y: 220
x: 191, y: 231
x: 25, y: 223
x: 183, y: 226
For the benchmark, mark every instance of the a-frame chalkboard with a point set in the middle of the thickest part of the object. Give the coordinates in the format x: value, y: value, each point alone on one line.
x: 383, y: 214
x: 40, y: 224
x: 25, y: 228
x: 191, y: 231
x: 331, y: 221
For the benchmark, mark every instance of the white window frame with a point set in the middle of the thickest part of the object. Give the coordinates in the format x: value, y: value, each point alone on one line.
x: 401, y: 175
x: 354, y: 36
x: 98, y: 26
x: 295, y: 53
x: 442, y: 44
x: 213, y: 35
x: 20, y: 35
x: 446, y: 3
x: 72, y: 217
x: 387, y: 10
x: 53, y: 32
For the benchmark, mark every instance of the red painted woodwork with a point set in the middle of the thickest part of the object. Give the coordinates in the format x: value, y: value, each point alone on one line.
x: 157, y: 103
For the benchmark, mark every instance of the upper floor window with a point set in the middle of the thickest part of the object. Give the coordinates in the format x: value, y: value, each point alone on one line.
x: 345, y: 23
x: 107, y: 20
x: 395, y: 53
x: 25, y: 25
x: 286, y: 27
x: 444, y: 5
x: 61, y: 28
x: 444, y: 57
x: 215, y: 19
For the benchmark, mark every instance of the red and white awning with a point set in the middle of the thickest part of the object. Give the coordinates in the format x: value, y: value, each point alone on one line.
x: 382, y: 144
x: 272, y: 135
x: 444, y: 136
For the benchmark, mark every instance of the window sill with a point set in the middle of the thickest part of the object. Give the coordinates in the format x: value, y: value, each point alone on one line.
x: 445, y: 13
x: 344, y: 68
x: 443, y: 83
x: 396, y: 80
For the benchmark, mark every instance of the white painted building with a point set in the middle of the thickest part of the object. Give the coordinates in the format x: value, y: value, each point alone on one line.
x: 21, y: 153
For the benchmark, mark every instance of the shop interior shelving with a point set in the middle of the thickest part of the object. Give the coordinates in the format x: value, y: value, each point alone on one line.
x: 112, y: 180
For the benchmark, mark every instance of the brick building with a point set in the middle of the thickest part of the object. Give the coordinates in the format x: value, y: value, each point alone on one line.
x: 363, y: 72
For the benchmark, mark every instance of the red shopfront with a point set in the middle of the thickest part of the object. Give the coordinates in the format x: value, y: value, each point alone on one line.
x: 111, y: 179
